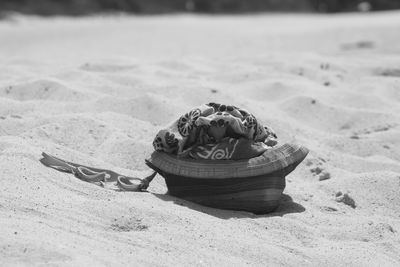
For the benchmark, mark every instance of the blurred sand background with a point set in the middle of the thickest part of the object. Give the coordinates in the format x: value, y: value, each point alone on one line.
x: 96, y: 90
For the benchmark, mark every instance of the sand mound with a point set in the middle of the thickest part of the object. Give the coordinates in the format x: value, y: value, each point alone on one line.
x: 96, y: 91
x: 42, y: 90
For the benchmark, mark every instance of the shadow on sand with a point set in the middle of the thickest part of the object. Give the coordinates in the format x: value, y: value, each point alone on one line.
x: 286, y: 206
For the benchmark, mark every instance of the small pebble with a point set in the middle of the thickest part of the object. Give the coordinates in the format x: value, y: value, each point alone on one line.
x: 346, y: 199
x: 316, y: 170
x: 324, y: 176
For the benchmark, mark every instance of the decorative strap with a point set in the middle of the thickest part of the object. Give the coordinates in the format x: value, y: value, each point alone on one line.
x: 97, y: 176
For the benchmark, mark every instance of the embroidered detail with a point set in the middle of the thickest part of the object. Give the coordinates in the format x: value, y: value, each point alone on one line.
x: 186, y: 122
x: 250, y: 122
x: 208, y: 129
x: 219, y: 151
x: 157, y: 144
x: 171, y: 140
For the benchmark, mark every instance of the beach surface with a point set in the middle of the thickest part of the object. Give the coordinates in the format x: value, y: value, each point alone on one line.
x: 96, y: 90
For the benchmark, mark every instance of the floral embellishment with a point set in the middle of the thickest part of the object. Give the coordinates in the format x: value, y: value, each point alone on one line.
x: 204, y: 132
x: 186, y: 122
x: 171, y: 140
x: 165, y: 142
x: 250, y: 122
x: 223, y: 108
x: 157, y: 144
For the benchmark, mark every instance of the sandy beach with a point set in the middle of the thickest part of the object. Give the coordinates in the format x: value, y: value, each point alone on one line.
x: 96, y: 90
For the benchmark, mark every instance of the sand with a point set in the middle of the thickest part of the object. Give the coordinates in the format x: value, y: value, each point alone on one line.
x: 96, y: 90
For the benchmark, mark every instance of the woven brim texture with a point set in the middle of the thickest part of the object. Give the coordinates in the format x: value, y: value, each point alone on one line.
x: 274, y: 159
x: 257, y: 194
x: 256, y: 186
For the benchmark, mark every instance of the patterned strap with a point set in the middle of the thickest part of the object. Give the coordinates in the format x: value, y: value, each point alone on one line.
x: 98, y: 176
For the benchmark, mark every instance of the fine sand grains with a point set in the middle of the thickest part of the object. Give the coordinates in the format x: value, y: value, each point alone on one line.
x: 96, y: 91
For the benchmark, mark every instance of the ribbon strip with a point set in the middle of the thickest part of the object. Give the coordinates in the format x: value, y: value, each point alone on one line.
x: 98, y: 176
